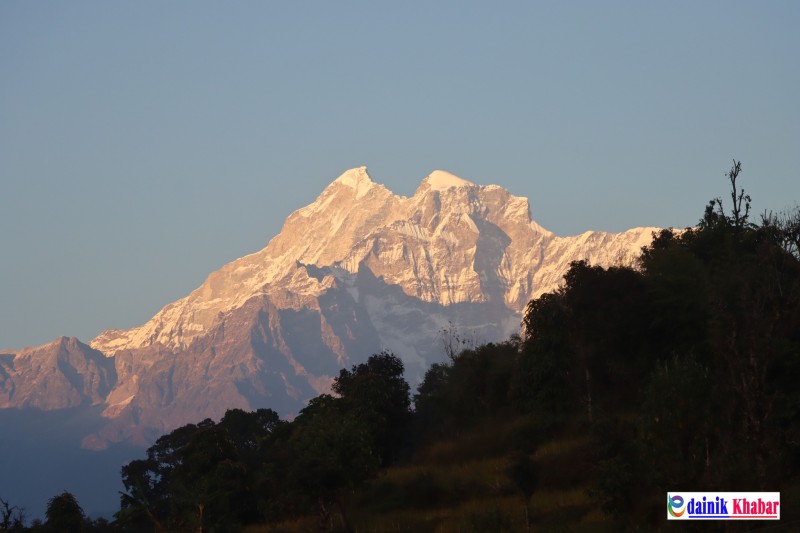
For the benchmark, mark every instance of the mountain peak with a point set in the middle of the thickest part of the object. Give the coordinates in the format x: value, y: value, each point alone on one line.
x: 440, y: 180
x: 357, y: 179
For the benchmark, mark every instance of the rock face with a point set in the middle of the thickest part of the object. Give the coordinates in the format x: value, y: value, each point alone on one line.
x: 65, y: 373
x: 357, y: 271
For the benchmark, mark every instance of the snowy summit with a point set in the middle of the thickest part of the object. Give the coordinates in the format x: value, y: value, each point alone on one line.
x: 358, y: 179
x: 440, y: 180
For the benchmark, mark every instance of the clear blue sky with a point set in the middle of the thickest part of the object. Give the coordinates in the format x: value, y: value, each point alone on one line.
x: 145, y: 144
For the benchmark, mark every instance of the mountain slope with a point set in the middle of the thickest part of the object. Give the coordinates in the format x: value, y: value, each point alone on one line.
x: 358, y: 270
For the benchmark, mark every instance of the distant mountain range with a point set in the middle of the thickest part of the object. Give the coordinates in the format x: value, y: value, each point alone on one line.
x: 357, y: 271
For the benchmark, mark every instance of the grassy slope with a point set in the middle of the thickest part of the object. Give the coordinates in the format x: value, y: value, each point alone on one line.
x: 459, y: 485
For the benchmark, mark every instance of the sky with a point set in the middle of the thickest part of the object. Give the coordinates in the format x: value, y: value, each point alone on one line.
x: 145, y: 144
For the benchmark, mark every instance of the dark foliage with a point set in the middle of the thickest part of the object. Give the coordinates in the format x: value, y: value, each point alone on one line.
x: 12, y: 517
x: 473, y: 386
x: 64, y: 515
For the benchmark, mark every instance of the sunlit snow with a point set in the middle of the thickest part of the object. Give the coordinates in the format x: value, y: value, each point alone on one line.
x: 440, y: 180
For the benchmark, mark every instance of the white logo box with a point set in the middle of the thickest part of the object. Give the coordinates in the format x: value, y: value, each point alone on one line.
x: 723, y: 505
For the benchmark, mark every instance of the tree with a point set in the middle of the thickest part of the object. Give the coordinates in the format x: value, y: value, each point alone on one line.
x: 540, y: 383
x: 676, y: 426
x: 64, y: 514
x: 473, y: 386
x: 455, y: 342
x: 210, y: 488
x: 141, y: 504
x: 148, y: 481
x: 12, y: 517
x: 378, y: 395
x: 787, y: 228
x: 248, y: 430
x: 738, y: 216
x: 432, y: 413
x: 587, y: 344
x: 201, y: 476
x: 330, y: 451
x: 736, y: 288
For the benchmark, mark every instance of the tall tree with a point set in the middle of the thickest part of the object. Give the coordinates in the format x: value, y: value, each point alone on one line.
x: 148, y: 481
x: 330, y: 451
x: 378, y: 395
x: 64, y: 514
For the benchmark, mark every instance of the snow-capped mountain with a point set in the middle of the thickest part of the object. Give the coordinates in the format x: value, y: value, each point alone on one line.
x: 357, y: 271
